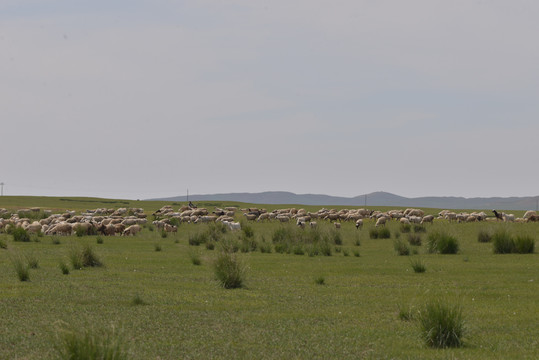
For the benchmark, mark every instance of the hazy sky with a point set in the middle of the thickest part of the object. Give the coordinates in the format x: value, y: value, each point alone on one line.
x: 143, y: 99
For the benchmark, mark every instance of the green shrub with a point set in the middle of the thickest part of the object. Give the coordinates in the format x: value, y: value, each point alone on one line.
x: 247, y: 230
x: 137, y: 300
x: 418, y: 265
x: 85, y: 257
x: 338, y: 249
x: 443, y: 243
x: 91, y: 344
x: 419, y: 228
x: 441, y: 325
x: 324, y: 248
x: 298, y: 250
x: 356, y: 253
x: 265, y: 247
x: 405, y: 228
x: 524, y: 244
x: 248, y: 244
x: 99, y: 240
x: 502, y: 242
x: 21, y: 268
x: 63, y: 268
x: 405, y: 313
x: 164, y: 234
x: 379, y: 233
x: 401, y: 248
x: 414, y: 239
x: 3, y: 244
x: 229, y: 270
x: 32, y: 261
x: 157, y: 247
x: 345, y: 252
x: 198, y: 238
x: 20, y: 234
x: 210, y: 245
x: 484, y: 236
x: 357, y: 241
x: 195, y: 258
x: 320, y: 280
x: 336, y: 237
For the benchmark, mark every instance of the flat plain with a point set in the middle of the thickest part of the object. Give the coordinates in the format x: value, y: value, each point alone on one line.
x: 282, y: 312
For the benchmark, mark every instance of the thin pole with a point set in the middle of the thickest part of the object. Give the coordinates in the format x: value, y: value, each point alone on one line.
x: 187, y: 195
x: 365, y: 200
x: 2, y: 191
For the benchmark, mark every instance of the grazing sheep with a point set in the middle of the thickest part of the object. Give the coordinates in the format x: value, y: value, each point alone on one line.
x: 359, y: 223
x: 131, y: 230
x: 337, y: 225
x: 381, y: 221
x: 404, y: 220
x: 427, y: 219
x: 313, y: 224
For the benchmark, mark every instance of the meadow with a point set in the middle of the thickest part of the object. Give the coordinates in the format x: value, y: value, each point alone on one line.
x: 362, y: 301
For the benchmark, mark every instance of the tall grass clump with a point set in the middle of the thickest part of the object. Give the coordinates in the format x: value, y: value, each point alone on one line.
x: 63, y: 268
x: 195, y: 258
x: 419, y: 228
x: 32, y: 261
x: 414, y: 239
x: 405, y: 228
x: 405, y: 313
x: 247, y: 230
x: 137, y: 300
x: 85, y: 257
x: 502, y: 242
x: 336, y: 237
x: 198, y: 238
x: 320, y: 280
x: 21, y: 268
x: 442, y: 324
x: 379, y: 233
x: 401, y: 248
x: 418, y: 265
x: 20, y: 234
x: 484, y: 236
x: 524, y: 244
x: 229, y: 270
x: 91, y: 344
x: 442, y: 243
x: 3, y: 244
x: 99, y: 240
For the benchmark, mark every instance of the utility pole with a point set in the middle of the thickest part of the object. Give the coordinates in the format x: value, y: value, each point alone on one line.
x: 187, y: 195
x: 2, y: 191
x: 365, y: 200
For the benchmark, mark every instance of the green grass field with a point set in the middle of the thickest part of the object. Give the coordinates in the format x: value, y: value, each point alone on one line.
x: 283, y: 312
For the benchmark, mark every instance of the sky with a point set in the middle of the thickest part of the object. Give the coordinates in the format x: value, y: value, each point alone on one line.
x: 143, y: 99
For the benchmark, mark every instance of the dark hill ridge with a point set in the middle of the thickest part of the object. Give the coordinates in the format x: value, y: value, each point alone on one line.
x: 373, y: 199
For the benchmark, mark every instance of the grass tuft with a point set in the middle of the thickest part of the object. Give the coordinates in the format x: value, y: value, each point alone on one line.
x: 19, y: 234
x: 414, y: 239
x: 484, y: 236
x: 401, y: 248
x: 418, y: 265
x: 441, y: 324
x: 21, y: 268
x: 320, y: 280
x: 229, y: 270
x: 137, y: 300
x: 195, y: 258
x: 63, y: 268
x: 502, y: 242
x: 442, y: 243
x: 91, y: 344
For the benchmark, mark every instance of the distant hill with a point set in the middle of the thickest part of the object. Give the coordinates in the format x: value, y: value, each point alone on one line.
x: 373, y: 199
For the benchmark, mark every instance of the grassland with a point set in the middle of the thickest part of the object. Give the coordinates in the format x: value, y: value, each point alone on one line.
x: 282, y: 312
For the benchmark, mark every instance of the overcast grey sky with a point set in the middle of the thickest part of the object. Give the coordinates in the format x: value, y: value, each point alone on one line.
x: 143, y: 99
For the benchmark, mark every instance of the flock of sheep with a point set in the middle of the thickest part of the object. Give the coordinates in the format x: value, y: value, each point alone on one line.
x: 125, y: 221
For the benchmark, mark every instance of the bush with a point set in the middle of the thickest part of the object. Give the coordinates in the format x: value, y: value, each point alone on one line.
x: 248, y: 244
x: 229, y: 270
x: 157, y: 247
x: 419, y: 229
x: 19, y: 234
x: 91, y: 344
x: 195, y: 258
x: 320, y: 280
x: 441, y: 325
x: 210, y: 245
x: 33, y: 262
x: 524, y: 245
x: 137, y: 300
x: 198, y: 238
x: 3, y: 244
x: 247, y: 230
x: 356, y: 253
x: 443, y: 243
x: 414, y: 239
x: 99, y: 240
x: 405, y: 228
x: 484, y: 236
x: 401, y: 248
x: 21, y: 268
x: 336, y: 237
x: 418, y: 265
x: 345, y: 252
x: 84, y: 257
x: 63, y: 268
x: 502, y: 242
x: 379, y: 233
